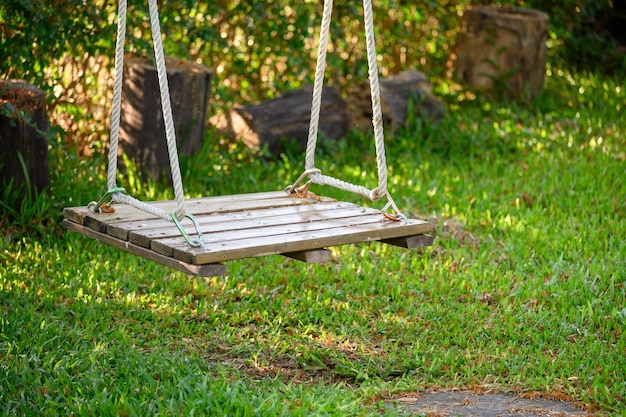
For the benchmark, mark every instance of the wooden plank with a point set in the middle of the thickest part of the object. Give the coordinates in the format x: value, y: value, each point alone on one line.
x: 125, y: 213
x: 210, y: 226
x: 122, y: 230
x: 207, y: 270
x: 295, y: 241
x: 193, y: 205
x: 76, y: 214
x: 411, y: 242
x: 314, y: 256
x: 265, y: 234
x: 170, y: 205
x: 207, y: 207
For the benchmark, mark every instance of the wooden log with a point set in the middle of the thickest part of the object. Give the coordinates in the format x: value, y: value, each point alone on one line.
x: 313, y: 256
x: 23, y: 134
x: 396, y: 95
x: 502, y: 50
x: 278, y: 122
x: 142, y: 128
x: 411, y: 242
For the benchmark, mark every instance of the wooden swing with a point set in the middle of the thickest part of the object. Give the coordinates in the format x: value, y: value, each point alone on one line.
x: 293, y: 222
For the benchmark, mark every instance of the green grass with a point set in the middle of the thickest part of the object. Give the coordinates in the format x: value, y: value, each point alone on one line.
x: 522, y: 291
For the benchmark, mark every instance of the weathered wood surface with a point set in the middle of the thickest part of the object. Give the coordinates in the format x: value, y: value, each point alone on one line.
x: 276, y: 220
x: 23, y: 127
x: 142, y: 127
x: 248, y: 225
x: 502, y: 50
x: 285, y: 119
x: 396, y: 94
x: 208, y: 270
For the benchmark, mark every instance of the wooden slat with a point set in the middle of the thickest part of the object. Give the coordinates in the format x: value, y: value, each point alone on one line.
x: 411, y: 242
x: 220, y: 228
x: 206, y: 270
x: 122, y: 229
x: 314, y: 256
x: 264, y: 234
x: 294, y: 242
x: 125, y: 213
x: 193, y: 205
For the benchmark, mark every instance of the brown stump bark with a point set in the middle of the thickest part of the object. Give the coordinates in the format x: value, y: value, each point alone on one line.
x: 277, y: 122
x: 23, y: 132
x: 142, y: 128
x: 503, y: 50
x: 396, y: 94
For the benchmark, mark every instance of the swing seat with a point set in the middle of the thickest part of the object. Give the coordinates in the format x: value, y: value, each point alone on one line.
x: 244, y: 226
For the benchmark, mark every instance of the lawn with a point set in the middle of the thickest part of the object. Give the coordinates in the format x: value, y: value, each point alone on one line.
x: 523, y: 290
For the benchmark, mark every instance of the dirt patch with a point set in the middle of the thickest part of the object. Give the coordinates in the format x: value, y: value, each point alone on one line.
x: 487, y: 404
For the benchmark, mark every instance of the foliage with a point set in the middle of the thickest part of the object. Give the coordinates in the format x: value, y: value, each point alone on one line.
x: 257, y: 48
x: 583, y: 32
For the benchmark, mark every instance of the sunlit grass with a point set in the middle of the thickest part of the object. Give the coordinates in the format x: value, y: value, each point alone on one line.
x: 522, y: 291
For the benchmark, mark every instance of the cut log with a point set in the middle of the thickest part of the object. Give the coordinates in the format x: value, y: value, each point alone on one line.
x: 23, y: 134
x: 313, y: 256
x: 502, y: 50
x: 283, y: 120
x: 397, y: 94
x: 142, y: 128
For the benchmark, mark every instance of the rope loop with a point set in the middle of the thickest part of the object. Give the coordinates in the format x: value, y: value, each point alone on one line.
x: 306, y: 174
x: 390, y: 203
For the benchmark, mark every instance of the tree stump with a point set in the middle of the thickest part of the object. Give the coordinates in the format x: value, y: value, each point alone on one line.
x: 23, y: 133
x: 277, y: 122
x: 396, y: 95
x: 502, y: 50
x: 142, y: 128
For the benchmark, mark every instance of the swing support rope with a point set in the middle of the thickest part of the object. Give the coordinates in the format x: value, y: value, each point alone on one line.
x: 118, y: 194
x: 315, y: 175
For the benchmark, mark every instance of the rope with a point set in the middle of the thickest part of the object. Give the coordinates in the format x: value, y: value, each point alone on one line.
x: 313, y: 173
x: 318, y: 86
x: 170, y: 134
x: 117, y: 95
x: 377, y: 118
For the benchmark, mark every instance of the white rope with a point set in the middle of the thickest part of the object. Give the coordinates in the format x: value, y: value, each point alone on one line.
x: 377, y: 120
x: 170, y: 133
x: 318, y: 86
x: 117, y: 95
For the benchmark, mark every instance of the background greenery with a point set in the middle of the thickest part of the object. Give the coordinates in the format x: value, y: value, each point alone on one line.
x: 523, y: 291
x: 259, y: 48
